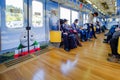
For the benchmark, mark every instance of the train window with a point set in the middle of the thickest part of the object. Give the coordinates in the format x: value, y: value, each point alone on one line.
x: 85, y: 18
x: 117, y: 19
x: 37, y: 14
x: 74, y: 15
x: 14, y: 13
x: 65, y: 14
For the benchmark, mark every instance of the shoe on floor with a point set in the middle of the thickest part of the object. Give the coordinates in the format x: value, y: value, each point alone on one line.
x: 105, y: 41
x: 110, y: 54
x: 113, y: 59
x: 67, y: 49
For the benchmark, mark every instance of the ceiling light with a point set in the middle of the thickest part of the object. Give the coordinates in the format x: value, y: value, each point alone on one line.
x: 115, y: 3
x: 89, y: 1
x: 95, y: 6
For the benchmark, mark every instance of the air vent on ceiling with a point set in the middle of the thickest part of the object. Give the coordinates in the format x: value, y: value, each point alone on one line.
x: 105, y: 5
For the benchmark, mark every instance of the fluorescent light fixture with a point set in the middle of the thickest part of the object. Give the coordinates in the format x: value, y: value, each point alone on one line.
x: 115, y: 3
x: 99, y: 10
x: 89, y: 1
x: 95, y: 6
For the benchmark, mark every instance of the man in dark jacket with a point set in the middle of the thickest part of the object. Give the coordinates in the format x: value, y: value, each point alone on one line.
x: 110, y: 33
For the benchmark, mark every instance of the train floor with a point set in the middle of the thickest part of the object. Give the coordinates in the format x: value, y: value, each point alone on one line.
x: 83, y: 63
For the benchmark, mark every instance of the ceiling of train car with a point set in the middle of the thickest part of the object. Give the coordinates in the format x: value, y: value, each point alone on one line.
x: 107, y: 7
x: 104, y: 6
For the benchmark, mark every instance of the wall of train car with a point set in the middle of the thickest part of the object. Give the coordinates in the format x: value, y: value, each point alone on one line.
x: 10, y: 37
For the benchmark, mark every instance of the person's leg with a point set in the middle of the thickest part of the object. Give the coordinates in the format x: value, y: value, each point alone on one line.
x: 66, y: 42
x: 80, y: 32
x: 88, y: 32
x: 109, y: 37
x: 77, y: 40
x: 103, y: 29
x: 61, y: 44
x: 114, y: 45
x: 114, y: 57
x: 82, y: 35
x: 93, y: 31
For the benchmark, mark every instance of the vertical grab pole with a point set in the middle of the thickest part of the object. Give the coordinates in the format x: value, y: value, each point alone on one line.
x: 28, y: 26
x: 58, y: 15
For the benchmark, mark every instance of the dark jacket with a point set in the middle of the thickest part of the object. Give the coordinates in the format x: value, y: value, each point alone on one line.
x: 116, y: 35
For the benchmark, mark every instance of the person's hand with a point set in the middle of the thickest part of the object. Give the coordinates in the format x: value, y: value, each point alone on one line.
x: 74, y: 31
x: 65, y: 33
x: 89, y: 24
x: 117, y: 29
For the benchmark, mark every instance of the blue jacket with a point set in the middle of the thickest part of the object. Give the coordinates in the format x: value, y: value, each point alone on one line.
x: 74, y: 26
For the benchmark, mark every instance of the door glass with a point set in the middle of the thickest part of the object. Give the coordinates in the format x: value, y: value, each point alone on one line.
x: 14, y: 13
x: 65, y: 14
x: 74, y: 15
x: 37, y: 14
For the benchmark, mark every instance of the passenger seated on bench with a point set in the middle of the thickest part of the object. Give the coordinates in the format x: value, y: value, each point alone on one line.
x: 82, y: 31
x: 67, y: 35
x: 88, y: 31
x: 75, y: 31
x: 98, y: 29
x: 64, y: 30
x: 114, y: 44
x: 110, y: 33
x: 61, y: 21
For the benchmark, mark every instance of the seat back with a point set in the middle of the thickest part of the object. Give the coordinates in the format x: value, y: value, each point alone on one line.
x: 55, y: 36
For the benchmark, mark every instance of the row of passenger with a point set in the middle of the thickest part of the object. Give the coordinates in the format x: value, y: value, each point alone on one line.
x: 70, y: 33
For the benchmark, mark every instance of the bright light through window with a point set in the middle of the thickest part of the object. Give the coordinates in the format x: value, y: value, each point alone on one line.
x: 74, y: 15
x: 65, y: 14
x: 14, y: 13
x: 85, y: 18
x: 37, y: 14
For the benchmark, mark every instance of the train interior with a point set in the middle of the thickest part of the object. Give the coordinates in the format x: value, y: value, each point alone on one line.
x: 59, y: 39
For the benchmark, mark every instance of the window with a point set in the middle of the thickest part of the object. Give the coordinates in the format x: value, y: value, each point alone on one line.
x: 65, y: 14
x: 117, y: 19
x: 37, y: 14
x: 14, y: 13
x: 74, y: 15
x: 85, y: 18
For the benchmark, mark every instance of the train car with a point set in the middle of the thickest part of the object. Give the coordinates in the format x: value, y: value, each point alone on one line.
x: 59, y: 39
